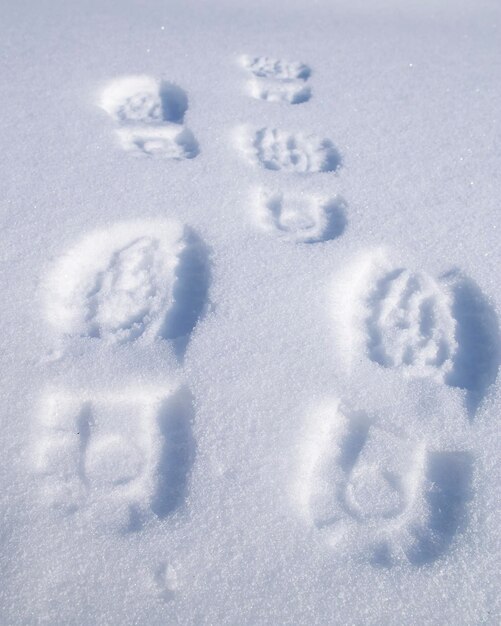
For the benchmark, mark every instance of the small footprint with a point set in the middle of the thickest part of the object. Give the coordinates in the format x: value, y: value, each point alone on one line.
x: 300, y: 219
x: 275, y: 149
x: 125, y: 456
x: 150, y: 115
x: 380, y: 495
x: 268, y: 67
x: 136, y: 279
x: 289, y: 92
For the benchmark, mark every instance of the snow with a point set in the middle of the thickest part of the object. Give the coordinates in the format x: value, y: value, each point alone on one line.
x: 251, y: 376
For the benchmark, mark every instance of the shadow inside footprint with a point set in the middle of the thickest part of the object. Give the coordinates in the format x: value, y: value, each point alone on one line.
x: 178, y: 452
x: 135, y: 520
x: 477, y: 359
x: 189, y: 293
x: 355, y: 440
x: 333, y: 160
x: 301, y: 96
x: 449, y: 474
x: 174, y: 102
x: 335, y: 211
x: 187, y: 140
x: 381, y: 556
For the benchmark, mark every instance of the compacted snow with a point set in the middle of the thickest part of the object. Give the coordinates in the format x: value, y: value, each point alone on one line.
x: 250, y: 265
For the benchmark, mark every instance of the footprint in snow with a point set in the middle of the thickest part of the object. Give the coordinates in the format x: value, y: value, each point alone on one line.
x: 299, y: 218
x: 379, y: 495
x: 165, y: 580
x: 150, y: 116
x: 444, y: 329
x: 276, y: 80
x: 121, y: 457
x: 279, y: 150
x: 136, y: 280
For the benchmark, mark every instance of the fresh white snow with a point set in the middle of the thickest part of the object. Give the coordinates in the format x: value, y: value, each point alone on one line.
x: 251, y: 376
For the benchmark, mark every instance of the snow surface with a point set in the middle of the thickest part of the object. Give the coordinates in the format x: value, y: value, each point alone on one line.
x: 250, y: 376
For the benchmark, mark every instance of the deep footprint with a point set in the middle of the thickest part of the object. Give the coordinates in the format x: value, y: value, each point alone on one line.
x: 140, y: 279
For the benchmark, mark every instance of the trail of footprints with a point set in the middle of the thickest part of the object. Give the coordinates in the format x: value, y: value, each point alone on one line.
x: 305, y: 219
x: 370, y: 491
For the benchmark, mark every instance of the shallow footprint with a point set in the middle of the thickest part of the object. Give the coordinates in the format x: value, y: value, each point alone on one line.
x: 299, y: 218
x: 138, y: 279
x: 278, y: 69
x: 143, y: 99
x: 275, y: 149
x: 164, y: 142
x: 270, y: 91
